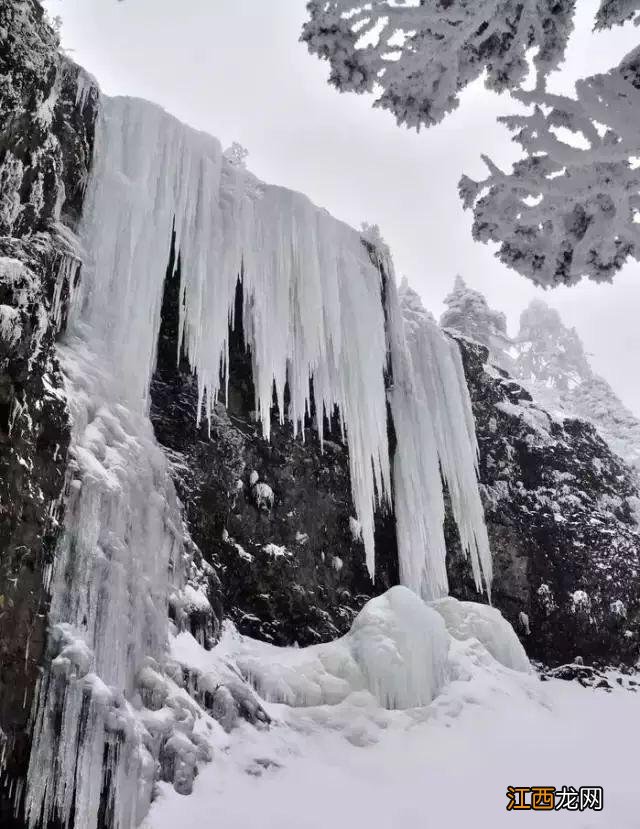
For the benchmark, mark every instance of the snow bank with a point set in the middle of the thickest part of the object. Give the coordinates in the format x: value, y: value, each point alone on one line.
x: 469, y: 620
x: 448, y: 767
x: 396, y: 696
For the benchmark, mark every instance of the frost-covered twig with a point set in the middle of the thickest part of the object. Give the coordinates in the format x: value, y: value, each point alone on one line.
x: 571, y: 207
x: 417, y: 58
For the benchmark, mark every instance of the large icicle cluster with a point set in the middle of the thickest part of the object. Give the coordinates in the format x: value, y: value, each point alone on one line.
x: 315, y: 322
x: 436, y: 435
x: 311, y: 294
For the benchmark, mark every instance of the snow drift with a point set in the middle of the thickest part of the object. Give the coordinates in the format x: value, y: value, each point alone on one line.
x: 470, y: 620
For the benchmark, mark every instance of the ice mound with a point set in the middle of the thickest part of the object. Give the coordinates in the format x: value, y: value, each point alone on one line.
x: 401, y: 646
x: 397, y: 650
x: 470, y: 620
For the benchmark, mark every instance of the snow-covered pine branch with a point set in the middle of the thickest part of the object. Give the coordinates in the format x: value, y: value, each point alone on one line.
x: 571, y: 207
x: 616, y: 12
x: 418, y: 57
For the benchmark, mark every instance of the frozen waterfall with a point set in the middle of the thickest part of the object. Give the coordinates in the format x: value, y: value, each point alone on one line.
x: 313, y: 314
x: 311, y: 294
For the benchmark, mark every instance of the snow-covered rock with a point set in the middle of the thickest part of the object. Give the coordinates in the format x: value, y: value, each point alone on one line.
x: 470, y: 620
x: 560, y: 510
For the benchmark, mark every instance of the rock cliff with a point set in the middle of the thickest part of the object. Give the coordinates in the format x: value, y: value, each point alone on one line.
x: 559, y: 506
x: 46, y: 134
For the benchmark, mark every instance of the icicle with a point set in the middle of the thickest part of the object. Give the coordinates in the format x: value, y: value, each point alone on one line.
x: 436, y: 436
x: 109, y: 602
x: 86, y: 86
x: 65, y: 289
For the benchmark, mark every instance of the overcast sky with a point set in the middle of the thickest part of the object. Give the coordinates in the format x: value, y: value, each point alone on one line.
x: 235, y: 68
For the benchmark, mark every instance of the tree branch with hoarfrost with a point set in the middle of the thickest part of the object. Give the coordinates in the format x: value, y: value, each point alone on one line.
x: 571, y: 207
x: 418, y: 57
x: 617, y: 12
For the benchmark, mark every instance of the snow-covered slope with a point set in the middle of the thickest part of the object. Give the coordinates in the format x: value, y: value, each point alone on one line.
x: 333, y: 756
x: 445, y: 765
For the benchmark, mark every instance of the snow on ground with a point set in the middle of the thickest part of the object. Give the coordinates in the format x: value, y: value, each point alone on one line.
x: 354, y: 764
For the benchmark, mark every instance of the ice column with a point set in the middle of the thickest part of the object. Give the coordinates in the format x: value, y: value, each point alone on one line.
x: 435, y: 440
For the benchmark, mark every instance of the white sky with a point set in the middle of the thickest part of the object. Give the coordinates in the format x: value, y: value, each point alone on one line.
x: 235, y: 68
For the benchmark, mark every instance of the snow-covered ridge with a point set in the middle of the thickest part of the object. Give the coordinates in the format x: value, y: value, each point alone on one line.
x: 549, y: 359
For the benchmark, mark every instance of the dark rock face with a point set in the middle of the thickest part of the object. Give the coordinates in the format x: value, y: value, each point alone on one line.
x: 273, y: 518
x: 34, y: 434
x: 46, y: 136
x: 559, y: 508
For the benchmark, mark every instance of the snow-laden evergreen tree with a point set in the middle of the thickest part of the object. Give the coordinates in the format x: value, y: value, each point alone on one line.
x: 550, y: 355
x: 616, y: 12
x: 570, y: 208
x: 237, y: 155
x: 552, y: 363
x: 469, y: 313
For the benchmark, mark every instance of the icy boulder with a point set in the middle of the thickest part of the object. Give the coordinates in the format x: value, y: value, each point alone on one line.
x: 401, y: 646
x: 469, y: 620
